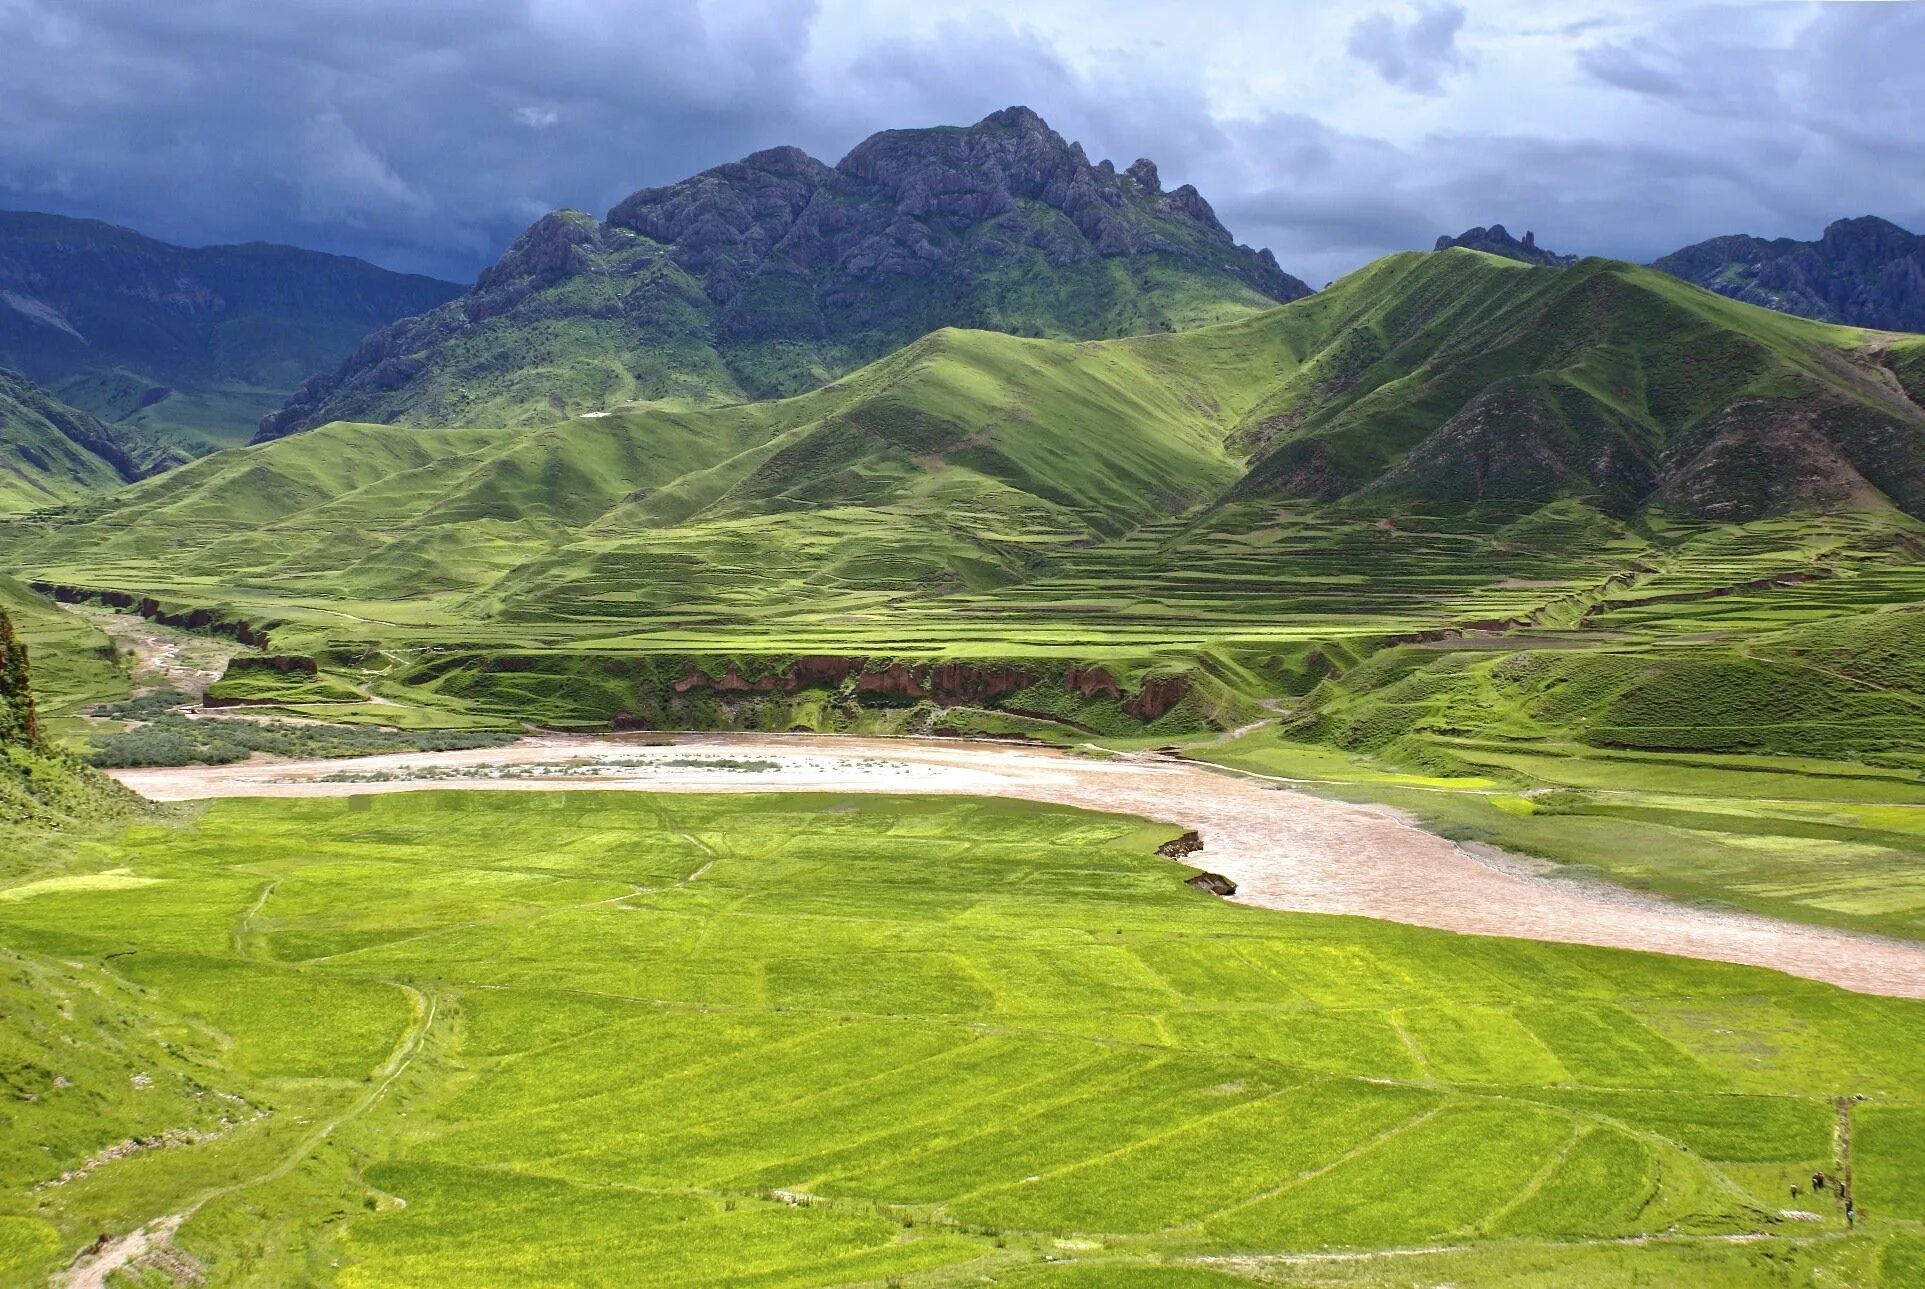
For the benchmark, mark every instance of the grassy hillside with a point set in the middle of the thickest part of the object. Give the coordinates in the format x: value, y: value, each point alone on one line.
x: 191, y: 345
x: 1458, y: 393
x: 51, y: 453
x: 1456, y: 379
x: 458, y: 1038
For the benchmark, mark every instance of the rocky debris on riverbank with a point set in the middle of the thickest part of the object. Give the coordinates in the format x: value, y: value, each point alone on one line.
x: 1212, y: 884
x: 1188, y: 844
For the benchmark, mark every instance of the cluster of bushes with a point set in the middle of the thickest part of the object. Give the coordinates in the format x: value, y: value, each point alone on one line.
x: 146, y: 707
x: 173, y: 739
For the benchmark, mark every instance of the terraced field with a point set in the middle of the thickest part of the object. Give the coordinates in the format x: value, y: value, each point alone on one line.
x: 481, y: 1038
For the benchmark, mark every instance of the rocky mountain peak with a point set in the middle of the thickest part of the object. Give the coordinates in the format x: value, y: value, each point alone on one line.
x: 1497, y: 240
x: 911, y: 231
x: 978, y: 172
x: 1188, y: 203
x: 1866, y: 239
x: 555, y: 246
x: 1143, y: 170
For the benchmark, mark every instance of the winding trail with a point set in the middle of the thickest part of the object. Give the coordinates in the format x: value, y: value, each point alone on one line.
x: 1284, y: 849
x: 92, y: 1267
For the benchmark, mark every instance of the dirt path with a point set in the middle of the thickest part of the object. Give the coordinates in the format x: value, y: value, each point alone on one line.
x: 91, y: 1269
x: 1284, y: 850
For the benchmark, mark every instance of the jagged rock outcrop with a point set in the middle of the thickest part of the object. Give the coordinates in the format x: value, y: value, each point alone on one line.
x: 1497, y: 240
x: 774, y: 273
x: 42, y: 787
x: 1865, y: 272
x: 1212, y: 884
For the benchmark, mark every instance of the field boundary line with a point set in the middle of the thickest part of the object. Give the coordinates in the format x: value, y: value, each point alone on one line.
x: 1361, y: 1148
x: 1034, y: 1112
x: 1579, y: 1131
x: 1141, y: 1143
x: 524, y: 914
x: 954, y: 1108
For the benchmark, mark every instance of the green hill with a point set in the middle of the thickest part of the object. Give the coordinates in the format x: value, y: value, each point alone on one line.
x: 192, y: 344
x: 775, y: 274
x: 1211, y: 517
x: 1458, y: 378
x: 52, y: 453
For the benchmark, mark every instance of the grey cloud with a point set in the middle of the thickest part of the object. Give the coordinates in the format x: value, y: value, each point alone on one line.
x: 1416, y: 54
x: 1638, y: 67
x: 424, y: 135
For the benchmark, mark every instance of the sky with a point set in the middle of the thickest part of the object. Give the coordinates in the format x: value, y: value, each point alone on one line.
x: 423, y: 134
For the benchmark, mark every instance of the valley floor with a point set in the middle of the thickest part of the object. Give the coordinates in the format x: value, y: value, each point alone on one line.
x: 771, y: 1039
x: 1284, y: 850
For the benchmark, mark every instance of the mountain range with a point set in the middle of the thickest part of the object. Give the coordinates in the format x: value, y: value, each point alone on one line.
x: 193, y: 344
x: 1446, y: 383
x: 734, y: 440
x: 1448, y: 379
x: 777, y: 273
x: 1865, y: 272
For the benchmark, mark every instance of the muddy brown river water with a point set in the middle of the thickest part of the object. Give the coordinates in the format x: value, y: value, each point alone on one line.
x: 1284, y: 849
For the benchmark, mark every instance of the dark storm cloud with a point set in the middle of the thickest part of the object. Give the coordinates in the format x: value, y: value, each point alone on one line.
x: 1413, y: 54
x: 425, y: 134
x: 413, y: 132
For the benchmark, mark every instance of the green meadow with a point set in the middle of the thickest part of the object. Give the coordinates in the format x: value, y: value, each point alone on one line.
x: 443, y: 1038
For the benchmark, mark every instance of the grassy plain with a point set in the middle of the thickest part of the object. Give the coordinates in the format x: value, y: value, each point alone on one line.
x: 474, y: 1038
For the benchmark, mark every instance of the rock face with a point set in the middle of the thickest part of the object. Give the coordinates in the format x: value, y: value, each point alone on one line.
x: 131, y: 329
x: 19, y: 727
x: 1497, y: 240
x: 1865, y: 272
x: 775, y: 273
